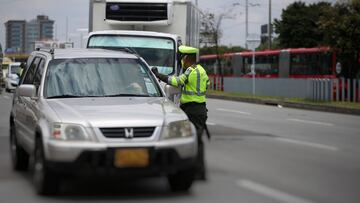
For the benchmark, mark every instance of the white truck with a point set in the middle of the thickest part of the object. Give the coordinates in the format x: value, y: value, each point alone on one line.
x: 151, y: 28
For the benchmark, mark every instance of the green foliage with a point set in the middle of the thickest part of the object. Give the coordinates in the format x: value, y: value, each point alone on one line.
x: 265, y: 46
x: 341, y: 25
x: 298, y: 26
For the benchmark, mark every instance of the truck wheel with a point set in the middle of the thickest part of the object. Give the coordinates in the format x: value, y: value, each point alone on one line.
x: 19, y: 157
x: 181, y: 181
x: 45, y: 180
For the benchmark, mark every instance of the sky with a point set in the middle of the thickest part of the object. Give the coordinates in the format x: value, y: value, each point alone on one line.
x: 75, y: 14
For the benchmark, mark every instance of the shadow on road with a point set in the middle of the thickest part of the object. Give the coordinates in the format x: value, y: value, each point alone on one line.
x: 93, y: 189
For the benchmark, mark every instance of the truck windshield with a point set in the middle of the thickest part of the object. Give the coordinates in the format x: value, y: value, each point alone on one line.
x: 159, y: 52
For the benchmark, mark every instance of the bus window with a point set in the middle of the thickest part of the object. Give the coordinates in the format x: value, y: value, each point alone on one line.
x: 227, y: 66
x: 311, y: 64
x: 247, y: 61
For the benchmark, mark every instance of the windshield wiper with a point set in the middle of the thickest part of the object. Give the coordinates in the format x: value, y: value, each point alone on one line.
x: 64, y: 96
x: 127, y: 95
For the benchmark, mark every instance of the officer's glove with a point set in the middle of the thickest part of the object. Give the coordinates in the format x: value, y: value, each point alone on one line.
x: 162, y: 77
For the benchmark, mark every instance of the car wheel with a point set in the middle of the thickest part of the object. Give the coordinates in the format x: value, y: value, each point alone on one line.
x: 181, y: 181
x: 19, y: 157
x: 45, y: 180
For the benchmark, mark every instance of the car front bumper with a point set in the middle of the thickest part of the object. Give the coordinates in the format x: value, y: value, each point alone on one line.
x: 101, y: 163
x: 165, y: 157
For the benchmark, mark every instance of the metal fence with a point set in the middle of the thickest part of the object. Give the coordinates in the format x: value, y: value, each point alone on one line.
x: 335, y: 90
x: 315, y: 89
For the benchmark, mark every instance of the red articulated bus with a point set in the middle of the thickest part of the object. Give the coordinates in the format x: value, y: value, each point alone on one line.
x: 286, y: 63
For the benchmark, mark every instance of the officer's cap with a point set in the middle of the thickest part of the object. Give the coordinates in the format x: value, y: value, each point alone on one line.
x: 188, y: 50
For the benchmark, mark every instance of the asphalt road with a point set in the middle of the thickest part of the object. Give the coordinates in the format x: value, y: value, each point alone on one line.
x: 258, y: 154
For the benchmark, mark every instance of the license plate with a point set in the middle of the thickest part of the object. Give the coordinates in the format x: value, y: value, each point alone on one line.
x: 131, y: 158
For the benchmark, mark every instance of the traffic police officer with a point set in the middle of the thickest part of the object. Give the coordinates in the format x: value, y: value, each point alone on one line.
x: 194, y: 83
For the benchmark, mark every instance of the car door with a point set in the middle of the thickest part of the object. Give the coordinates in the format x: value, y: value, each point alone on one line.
x: 23, y: 118
x: 32, y: 105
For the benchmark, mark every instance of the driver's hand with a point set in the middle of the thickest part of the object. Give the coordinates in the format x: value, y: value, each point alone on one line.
x: 155, y: 70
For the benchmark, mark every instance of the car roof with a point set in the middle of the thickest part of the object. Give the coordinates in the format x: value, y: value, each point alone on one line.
x: 87, y: 53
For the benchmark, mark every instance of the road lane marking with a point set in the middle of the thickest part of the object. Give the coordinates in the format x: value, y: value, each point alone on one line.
x: 271, y: 192
x: 208, y: 123
x: 6, y: 97
x: 310, y: 144
x: 233, y: 111
x: 310, y: 122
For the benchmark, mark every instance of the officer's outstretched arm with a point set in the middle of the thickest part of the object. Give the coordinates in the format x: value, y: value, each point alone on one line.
x: 181, y: 80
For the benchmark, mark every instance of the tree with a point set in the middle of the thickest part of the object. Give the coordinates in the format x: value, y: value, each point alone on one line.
x: 341, y: 25
x: 298, y: 26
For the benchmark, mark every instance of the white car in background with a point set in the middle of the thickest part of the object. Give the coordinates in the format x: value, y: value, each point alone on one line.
x: 13, y: 76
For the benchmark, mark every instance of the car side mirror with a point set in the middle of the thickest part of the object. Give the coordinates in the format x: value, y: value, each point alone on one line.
x: 27, y: 90
x: 170, y: 90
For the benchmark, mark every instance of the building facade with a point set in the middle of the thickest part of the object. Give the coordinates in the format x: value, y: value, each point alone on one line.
x: 21, y: 35
x: 15, y: 35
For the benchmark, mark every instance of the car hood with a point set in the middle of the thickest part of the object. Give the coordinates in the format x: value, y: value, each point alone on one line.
x: 116, y: 111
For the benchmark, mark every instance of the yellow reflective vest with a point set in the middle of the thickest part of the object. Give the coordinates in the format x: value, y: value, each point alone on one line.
x: 194, y: 83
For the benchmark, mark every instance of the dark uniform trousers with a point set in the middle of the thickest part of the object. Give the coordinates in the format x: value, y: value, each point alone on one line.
x: 197, y: 114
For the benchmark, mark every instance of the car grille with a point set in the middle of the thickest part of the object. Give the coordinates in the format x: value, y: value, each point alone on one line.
x: 138, y: 132
x: 136, y: 11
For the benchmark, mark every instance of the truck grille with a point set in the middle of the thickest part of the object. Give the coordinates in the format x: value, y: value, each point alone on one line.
x: 138, y: 132
x: 136, y: 11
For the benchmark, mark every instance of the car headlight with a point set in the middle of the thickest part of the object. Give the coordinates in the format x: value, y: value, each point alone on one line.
x: 70, y: 132
x: 177, y: 129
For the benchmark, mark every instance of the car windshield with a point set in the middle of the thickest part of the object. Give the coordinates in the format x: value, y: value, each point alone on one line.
x: 159, y: 52
x: 99, y: 77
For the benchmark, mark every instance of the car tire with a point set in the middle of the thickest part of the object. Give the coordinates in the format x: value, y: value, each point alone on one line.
x: 182, y: 180
x: 19, y: 157
x: 45, y: 180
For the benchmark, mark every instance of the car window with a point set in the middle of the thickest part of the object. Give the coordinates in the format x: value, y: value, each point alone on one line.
x: 99, y: 77
x: 39, y: 73
x: 29, y: 77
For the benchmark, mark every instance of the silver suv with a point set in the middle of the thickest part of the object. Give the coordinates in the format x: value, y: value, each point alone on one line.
x: 97, y: 112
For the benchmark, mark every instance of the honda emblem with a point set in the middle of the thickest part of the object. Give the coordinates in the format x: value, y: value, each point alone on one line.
x: 129, y: 133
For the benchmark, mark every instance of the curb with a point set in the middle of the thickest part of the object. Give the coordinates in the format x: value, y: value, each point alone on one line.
x: 289, y: 104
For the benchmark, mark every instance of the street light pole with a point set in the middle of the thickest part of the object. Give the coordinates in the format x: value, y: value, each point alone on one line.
x: 246, y: 22
x: 269, y: 25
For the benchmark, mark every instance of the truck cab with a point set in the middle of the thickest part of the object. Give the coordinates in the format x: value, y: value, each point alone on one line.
x: 152, y: 29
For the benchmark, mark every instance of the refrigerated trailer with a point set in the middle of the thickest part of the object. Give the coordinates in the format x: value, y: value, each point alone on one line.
x: 152, y: 28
